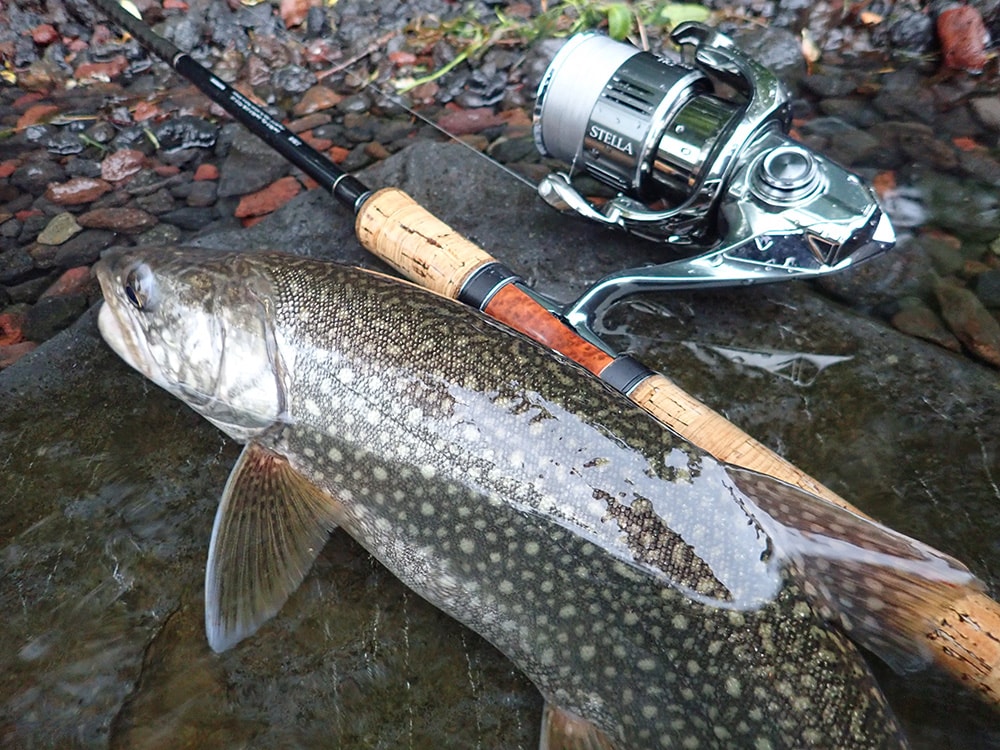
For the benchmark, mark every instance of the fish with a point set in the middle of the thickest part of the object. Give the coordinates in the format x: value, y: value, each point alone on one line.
x: 655, y: 596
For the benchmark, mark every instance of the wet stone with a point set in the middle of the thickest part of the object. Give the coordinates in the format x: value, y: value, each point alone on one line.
x: 293, y: 79
x: 35, y: 176
x: 156, y: 203
x: 250, y: 166
x: 185, y: 132
x: 121, y: 164
x: 15, y: 265
x: 127, y: 220
x: 49, y: 315
x: 987, y: 288
x: 82, y: 167
x: 202, y: 193
x: 28, y: 291
x: 65, y: 143
x: 986, y: 110
x: 920, y: 321
x: 83, y: 249
x: 161, y: 234
x: 190, y: 218
x: 61, y: 228
x: 971, y: 323
x: 316, y: 99
x: 77, y: 191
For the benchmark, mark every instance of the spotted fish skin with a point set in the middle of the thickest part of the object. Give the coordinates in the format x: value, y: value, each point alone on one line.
x: 621, y: 568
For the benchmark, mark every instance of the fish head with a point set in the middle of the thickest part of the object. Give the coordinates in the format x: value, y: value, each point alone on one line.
x: 197, y: 324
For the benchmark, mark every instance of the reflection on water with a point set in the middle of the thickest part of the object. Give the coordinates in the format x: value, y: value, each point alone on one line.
x: 800, y: 368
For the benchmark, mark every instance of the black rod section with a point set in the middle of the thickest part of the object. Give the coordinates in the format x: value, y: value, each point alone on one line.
x: 348, y: 190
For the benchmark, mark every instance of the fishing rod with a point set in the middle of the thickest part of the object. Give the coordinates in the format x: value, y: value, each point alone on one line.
x: 813, y: 205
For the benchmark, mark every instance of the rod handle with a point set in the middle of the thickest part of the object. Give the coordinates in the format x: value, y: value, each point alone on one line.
x: 416, y: 243
x: 711, y: 431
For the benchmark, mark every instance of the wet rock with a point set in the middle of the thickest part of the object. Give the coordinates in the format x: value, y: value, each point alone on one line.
x: 12, y: 353
x: 73, y: 281
x: 120, y: 164
x: 11, y: 327
x: 60, y: 229
x: 963, y: 38
x: 15, y: 265
x: 101, y: 132
x: 986, y: 110
x: 987, y: 288
x: 250, y: 166
x: 775, y: 48
x: 916, y: 319
x: 82, y: 167
x: 127, y: 220
x: 269, y: 199
x: 35, y: 175
x: 77, y: 191
x: 84, y: 249
x: 30, y: 289
x: 65, y: 143
x: 185, y: 132
x: 293, y: 79
x: 971, y: 323
x: 101, y: 71
x: 133, y: 137
x: 190, y: 218
x: 50, y: 315
x: 202, y: 193
x: 316, y: 99
x: 966, y: 208
x: 158, y: 202
x: 355, y: 104
x: 469, y: 121
x: 910, y: 31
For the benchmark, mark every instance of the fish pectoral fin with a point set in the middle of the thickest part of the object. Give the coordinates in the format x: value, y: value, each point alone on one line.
x: 271, y: 524
x: 886, y: 590
x: 564, y: 730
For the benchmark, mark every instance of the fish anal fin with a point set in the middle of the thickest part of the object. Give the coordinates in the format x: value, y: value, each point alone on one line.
x: 564, y: 730
x: 269, y: 528
x: 886, y: 590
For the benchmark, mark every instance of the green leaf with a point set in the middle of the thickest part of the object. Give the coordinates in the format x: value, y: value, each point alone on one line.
x: 619, y: 21
x: 673, y: 14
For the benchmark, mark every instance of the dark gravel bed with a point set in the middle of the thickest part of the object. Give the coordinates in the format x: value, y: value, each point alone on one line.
x: 102, y: 145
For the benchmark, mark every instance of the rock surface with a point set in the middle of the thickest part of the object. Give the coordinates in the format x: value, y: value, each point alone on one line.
x: 112, y: 486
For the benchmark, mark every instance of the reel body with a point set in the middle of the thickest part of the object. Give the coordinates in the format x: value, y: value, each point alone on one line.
x: 715, y: 177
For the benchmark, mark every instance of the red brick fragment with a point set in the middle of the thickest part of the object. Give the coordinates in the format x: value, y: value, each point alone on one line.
x: 963, y: 38
x: 44, y: 34
x: 268, y: 199
x: 206, y: 172
x: 128, y: 220
x: 34, y: 114
x: 469, y: 121
x: 101, y: 70
x: 7, y: 168
x: 11, y: 328
x: 72, y: 281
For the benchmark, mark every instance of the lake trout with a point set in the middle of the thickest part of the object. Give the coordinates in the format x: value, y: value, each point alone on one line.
x: 655, y: 596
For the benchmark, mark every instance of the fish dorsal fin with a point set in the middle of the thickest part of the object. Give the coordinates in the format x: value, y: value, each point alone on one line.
x: 564, y: 730
x: 886, y: 590
x: 271, y: 524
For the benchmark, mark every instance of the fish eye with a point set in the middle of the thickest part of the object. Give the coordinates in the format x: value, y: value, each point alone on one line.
x: 140, y: 287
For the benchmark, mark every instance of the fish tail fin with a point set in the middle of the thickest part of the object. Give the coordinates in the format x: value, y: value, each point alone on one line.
x: 884, y: 589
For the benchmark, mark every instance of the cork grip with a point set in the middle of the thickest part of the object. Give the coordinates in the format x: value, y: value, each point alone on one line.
x: 416, y: 243
x: 964, y: 643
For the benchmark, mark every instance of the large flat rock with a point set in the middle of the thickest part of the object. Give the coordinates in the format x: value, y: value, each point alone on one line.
x: 110, y: 486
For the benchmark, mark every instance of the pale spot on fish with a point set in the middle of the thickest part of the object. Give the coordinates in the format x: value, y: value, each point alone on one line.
x: 646, y: 665
x: 427, y: 509
x: 587, y: 652
x: 427, y: 471
x: 345, y: 375
x: 380, y: 474
x: 531, y: 548
x: 468, y: 546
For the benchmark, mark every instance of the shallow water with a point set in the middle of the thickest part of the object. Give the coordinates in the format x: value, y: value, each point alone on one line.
x: 111, y: 486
